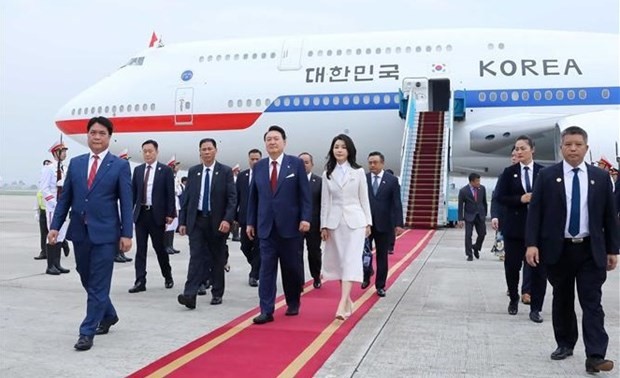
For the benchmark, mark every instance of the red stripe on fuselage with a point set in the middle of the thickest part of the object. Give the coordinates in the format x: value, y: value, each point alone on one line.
x: 166, y: 123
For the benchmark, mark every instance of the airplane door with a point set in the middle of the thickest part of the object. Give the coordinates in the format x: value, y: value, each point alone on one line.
x: 419, y: 86
x: 184, y: 106
x: 290, y: 59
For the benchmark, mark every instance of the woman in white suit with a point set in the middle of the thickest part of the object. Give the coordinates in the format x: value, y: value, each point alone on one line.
x: 345, y: 219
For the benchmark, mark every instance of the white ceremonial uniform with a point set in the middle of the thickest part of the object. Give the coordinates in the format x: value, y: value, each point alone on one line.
x: 48, y: 185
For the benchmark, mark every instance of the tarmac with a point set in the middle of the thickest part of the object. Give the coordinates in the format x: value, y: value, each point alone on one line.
x: 443, y: 317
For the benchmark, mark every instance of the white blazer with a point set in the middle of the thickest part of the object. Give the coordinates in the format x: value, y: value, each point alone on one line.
x: 348, y: 201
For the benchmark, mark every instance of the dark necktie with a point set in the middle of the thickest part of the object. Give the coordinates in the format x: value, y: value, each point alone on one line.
x: 205, y: 196
x: 575, y: 204
x: 475, y: 194
x: 145, y: 184
x: 274, y: 176
x: 375, y: 185
x: 93, y: 171
x: 526, y: 175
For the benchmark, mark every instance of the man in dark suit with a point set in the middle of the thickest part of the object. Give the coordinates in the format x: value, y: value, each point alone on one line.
x: 572, y: 228
x: 249, y: 247
x: 313, y: 237
x: 279, y: 212
x: 207, y: 213
x: 387, y: 216
x: 514, y: 192
x: 94, y: 186
x: 473, y: 212
x: 153, y: 209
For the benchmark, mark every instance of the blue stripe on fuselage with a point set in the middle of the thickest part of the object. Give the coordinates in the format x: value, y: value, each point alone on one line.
x: 504, y: 98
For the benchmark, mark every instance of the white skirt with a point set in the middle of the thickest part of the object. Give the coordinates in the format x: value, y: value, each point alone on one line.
x: 342, y: 256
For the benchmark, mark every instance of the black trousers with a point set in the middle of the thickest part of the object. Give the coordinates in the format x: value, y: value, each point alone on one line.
x: 576, y: 265
x: 43, y: 229
x: 206, y: 242
x: 481, y: 231
x: 147, y: 227
x: 315, y: 261
x: 251, y: 251
x: 382, y: 241
x: 515, y: 253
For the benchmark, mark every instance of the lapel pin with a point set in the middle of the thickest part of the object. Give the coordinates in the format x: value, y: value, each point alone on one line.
x: 592, y: 182
x: 558, y: 179
x: 159, y: 168
x: 515, y: 176
x: 198, y: 174
x: 216, y: 173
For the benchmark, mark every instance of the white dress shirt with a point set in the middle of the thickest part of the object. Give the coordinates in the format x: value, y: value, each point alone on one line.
x: 584, y: 227
x: 202, y: 185
x: 278, y: 166
x: 101, y: 155
x: 342, y: 170
x: 372, y: 179
x: 148, y: 201
x: 530, y: 173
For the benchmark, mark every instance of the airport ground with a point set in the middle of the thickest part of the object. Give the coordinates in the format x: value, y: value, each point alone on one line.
x: 443, y: 317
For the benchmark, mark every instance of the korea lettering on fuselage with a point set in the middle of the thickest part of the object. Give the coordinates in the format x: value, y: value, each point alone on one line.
x: 343, y: 74
x: 529, y: 67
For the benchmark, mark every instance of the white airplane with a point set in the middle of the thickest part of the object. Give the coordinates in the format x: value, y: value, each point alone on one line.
x: 497, y: 84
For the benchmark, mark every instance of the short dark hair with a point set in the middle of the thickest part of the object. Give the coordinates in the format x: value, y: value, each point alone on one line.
x: 377, y: 153
x: 574, y: 130
x: 103, y: 121
x: 207, y: 140
x: 47, y: 161
x: 309, y: 155
x: 151, y: 141
x: 473, y: 176
x: 527, y: 139
x: 255, y: 151
x: 184, y: 179
x: 277, y: 129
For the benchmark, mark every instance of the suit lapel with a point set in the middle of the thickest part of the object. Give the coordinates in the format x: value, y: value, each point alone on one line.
x: 558, y: 177
x: 103, y: 169
x: 285, y: 170
x: 81, y: 167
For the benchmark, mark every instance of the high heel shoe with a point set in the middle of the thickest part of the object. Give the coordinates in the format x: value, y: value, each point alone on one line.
x: 340, y: 316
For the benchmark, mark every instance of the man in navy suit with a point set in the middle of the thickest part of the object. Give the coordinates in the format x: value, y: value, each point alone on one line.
x: 387, y: 216
x: 473, y: 212
x: 313, y: 237
x: 572, y: 228
x: 96, y: 183
x: 207, y: 213
x: 514, y: 193
x: 153, y: 209
x: 250, y: 248
x: 279, y: 212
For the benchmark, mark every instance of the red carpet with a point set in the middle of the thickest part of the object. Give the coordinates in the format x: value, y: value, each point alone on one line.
x: 290, y: 346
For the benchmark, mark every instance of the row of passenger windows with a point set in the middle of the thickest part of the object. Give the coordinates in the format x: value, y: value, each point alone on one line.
x: 538, y: 95
x: 228, y: 57
x: 248, y: 103
x: 113, y: 109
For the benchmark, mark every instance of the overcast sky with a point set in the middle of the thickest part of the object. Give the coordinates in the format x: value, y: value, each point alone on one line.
x: 52, y: 50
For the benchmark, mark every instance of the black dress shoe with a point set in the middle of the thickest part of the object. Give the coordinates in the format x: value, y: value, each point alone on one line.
x: 137, y: 288
x: 53, y: 271
x: 119, y: 259
x: 65, y: 248
x: 169, y: 283
x: 170, y: 251
x: 127, y: 259
x: 317, y: 283
x: 365, y: 284
x: 42, y: 256
x: 187, y: 301
x: 513, y: 307
x: 292, y: 311
x: 535, y: 317
x: 104, y: 326
x: 263, y: 318
x: 202, y: 289
x: 61, y: 269
x: 175, y: 250
x: 476, y: 253
x: 253, y: 282
x: 390, y: 252
x: 561, y: 353
x: 84, y: 343
x: 597, y: 364
x: 216, y: 300
x: 470, y: 258
x: 381, y: 292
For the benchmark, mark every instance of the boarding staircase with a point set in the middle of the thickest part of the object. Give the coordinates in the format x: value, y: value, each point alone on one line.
x: 424, y: 165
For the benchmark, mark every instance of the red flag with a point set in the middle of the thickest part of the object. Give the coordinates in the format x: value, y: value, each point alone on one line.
x: 153, y: 40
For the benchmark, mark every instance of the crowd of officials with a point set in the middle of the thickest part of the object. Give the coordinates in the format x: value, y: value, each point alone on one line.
x: 272, y: 208
x: 562, y: 220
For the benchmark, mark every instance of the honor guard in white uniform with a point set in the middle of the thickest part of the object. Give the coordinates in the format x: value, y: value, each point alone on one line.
x: 50, y: 185
x: 178, y: 189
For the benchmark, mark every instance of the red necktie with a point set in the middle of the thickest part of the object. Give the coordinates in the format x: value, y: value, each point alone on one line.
x: 274, y: 176
x: 476, y: 194
x: 145, y: 184
x: 93, y: 171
